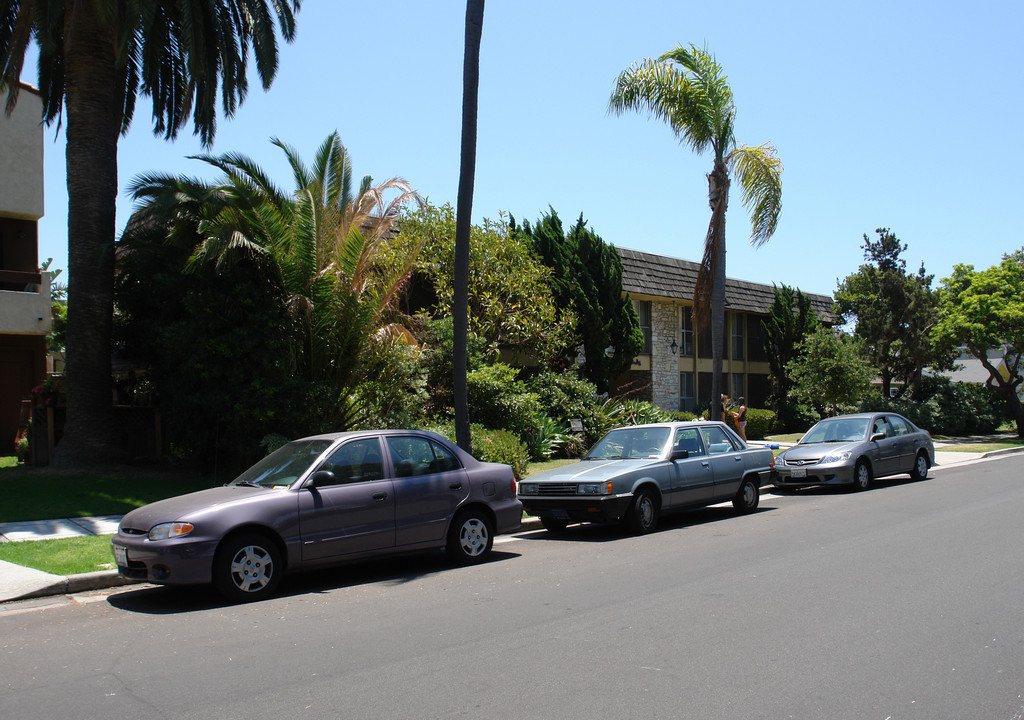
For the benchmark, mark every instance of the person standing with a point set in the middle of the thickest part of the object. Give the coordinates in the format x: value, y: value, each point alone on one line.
x: 740, y: 416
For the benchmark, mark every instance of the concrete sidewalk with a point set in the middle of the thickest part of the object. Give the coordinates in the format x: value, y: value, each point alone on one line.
x: 20, y: 583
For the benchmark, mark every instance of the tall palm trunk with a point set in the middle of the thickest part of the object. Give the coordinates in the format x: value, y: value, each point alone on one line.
x: 718, y: 198
x: 95, y: 110
x: 463, y: 220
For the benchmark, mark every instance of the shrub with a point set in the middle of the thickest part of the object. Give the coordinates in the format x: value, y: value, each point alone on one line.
x: 548, y: 438
x: 944, y: 407
x: 759, y: 423
x: 500, y: 446
x: 497, y: 399
x: 616, y: 412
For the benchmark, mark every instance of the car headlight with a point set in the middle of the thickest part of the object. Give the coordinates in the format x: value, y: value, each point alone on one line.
x: 527, y: 488
x: 604, y: 488
x: 836, y: 457
x: 165, y: 531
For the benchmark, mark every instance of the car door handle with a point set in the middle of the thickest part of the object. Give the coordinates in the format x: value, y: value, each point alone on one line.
x: 380, y: 496
x: 455, y: 486
x: 705, y: 463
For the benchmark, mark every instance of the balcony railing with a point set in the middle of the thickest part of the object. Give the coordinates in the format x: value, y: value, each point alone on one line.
x: 18, y: 281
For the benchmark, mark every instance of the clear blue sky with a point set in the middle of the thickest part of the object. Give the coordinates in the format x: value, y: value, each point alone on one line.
x: 885, y: 113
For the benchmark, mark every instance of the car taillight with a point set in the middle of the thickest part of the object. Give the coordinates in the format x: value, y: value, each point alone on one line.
x: 512, y: 486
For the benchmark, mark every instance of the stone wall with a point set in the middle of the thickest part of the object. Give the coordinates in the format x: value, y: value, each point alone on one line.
x: 664, y: 364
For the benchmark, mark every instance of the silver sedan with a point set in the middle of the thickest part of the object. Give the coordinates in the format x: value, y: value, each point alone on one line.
x: 854, y: 450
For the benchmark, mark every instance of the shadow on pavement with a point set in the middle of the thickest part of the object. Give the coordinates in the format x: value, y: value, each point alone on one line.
x: 390, y: 571
x: 600, y: 532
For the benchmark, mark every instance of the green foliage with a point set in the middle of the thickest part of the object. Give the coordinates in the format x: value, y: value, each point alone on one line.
x: 983, y: 311
x: 587, y: 278
x: 437, y: 344
x: 565, y: 397
x: 831, y: 374
x: 944, y: 407
x: 682, y: 416
x: 510, y: 300
x: 394, y: 391
x: 491, y: 445
x: 760, y: 423
x: 498, y: 399
x: 548, y: 438
x: 894, y: 311
x: 618, y: 412
x: 790, y: 319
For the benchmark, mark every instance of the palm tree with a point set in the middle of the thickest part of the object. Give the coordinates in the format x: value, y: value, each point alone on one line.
x: 319, y: 243
x: 95, y: 57
x: 687, y: 89
x: 463, y: 220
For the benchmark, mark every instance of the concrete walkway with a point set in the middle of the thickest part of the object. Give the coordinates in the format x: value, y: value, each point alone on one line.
x: 19, y: 583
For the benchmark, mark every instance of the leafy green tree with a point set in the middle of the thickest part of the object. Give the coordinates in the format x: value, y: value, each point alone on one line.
x: 95, y: 57
x: 790, y: 320
x: 687, y: 89
x: 319, y: 244
x: 587, y: 278
x: 983, y: 311
x: 894, y: 312
x: 830, y: 373
x: 510, y: 300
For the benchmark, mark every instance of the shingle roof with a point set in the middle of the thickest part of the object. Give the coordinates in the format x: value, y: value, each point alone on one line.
x: 667, y: 277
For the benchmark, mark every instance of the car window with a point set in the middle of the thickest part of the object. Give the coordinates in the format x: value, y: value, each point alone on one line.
x: 881, y: 426
x: 688, y: 439
x: 899, y: 425
x: 419, y: 456
x: 285, y: 465
x: 716, y: 440
x: 636, y: 442
x: 355, y: 461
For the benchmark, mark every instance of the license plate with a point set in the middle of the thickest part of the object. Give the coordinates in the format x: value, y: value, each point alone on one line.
x: 560, y: 514
x: 121, y: 555
x: 798, y: 473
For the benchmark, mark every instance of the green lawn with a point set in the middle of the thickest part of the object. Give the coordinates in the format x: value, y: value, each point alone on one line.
x: 66, y: 556
x: 44, y: 494
x: 981, y: 447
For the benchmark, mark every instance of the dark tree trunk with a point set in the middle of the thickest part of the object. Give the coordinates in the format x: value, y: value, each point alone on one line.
x: 464, y: 217
x: 94, y: 116
x: 718, y: 198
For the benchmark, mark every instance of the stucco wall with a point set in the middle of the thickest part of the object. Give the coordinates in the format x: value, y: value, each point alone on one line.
x: 21, y: 162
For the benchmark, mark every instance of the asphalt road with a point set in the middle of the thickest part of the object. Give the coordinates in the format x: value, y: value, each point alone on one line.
x: 901, y: 602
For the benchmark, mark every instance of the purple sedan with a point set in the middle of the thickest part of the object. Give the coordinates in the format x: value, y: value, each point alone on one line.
x: 319, y: 501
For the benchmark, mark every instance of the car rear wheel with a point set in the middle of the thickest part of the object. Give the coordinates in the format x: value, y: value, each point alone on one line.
x: 247, y: 567
x: 920, y: 469
x: 861, y: 476
x: 470, y: 538
x: 747, y: 497
x: 642, y: 517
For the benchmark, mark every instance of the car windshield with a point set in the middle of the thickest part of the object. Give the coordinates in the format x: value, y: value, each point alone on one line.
x: 835, y: 430
x: 630, y: 443
x: 285, y: 465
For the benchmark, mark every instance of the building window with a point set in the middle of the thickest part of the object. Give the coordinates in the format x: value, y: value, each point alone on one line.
x: 686, y: 333
x: 738, y: 386
x: 687, y: 393
x: 643, y: 312
x: 756, y: 351
x: 737, y: 335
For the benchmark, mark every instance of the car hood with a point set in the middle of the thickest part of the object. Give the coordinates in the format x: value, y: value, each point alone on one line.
x: 816, y: 451
x: 591, y: 470
x: 194, y: 505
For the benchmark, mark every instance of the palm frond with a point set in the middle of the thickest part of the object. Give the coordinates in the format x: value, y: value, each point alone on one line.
x: 759, y: 171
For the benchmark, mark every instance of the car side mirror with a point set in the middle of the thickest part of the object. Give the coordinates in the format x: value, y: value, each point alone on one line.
x: 877, y: 436
x: 323, y: 477
x: 680, y: 454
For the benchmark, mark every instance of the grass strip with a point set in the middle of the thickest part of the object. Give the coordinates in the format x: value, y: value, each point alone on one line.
x: 30, y: 495
x: 65, y: 556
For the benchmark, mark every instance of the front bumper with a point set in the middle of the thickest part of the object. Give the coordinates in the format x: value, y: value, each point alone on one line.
x: 818, y: 474
x: 180, y: 561
x: 595, y: 508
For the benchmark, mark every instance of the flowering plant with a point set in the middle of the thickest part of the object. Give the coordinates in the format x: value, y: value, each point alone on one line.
x: 47, y: 392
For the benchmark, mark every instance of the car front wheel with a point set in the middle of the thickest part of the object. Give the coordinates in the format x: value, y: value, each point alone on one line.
x: 747, y: 497
x: 920, y: 469
x: 247, y: 567
x: 642, y: 517
x: 470, y: 538
x: 861, y: 476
